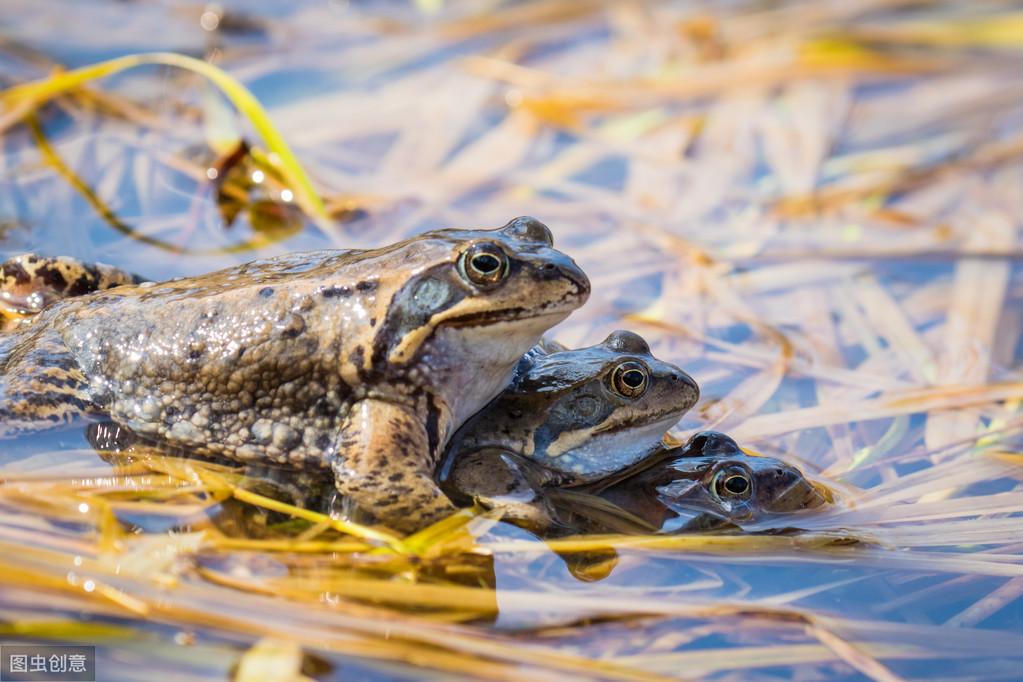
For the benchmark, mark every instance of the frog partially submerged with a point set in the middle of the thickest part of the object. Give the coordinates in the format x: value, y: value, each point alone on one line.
x: 569, y: 417
x: 363, y: 361
x: 707, y: 484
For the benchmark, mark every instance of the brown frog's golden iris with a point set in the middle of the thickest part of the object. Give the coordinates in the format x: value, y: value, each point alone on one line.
x: 484, y: 264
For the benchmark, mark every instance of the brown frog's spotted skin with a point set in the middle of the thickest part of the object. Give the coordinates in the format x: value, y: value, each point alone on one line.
x: 364, y: 361
x: 707, y: 484
x: 29, y: 283
x: 569, y: 417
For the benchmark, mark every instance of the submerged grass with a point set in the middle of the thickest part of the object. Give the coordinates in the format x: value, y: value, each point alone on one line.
x: 810, y: 207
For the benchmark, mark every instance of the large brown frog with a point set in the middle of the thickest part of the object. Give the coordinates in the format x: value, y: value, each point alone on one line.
x: 364, y: 361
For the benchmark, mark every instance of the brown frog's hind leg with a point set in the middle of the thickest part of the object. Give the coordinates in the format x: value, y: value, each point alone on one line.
x: 382, y: 462
x: 41, y: 386
x: 29, y: 283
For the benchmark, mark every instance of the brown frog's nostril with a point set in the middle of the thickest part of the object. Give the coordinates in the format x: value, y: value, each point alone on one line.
x: 549, y: 267
x: 674, y: 377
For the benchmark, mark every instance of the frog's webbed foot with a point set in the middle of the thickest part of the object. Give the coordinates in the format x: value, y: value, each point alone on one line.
x: 382, y: 462
x: 497, y: 479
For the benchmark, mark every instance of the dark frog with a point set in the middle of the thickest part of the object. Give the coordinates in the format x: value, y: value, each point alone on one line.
x: 708, y: 483
x: 568, y: 418
x: 362, y: 361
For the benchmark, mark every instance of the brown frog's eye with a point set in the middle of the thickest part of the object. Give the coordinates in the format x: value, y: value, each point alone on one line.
x: 629, y: 379
x: 483, y: 264
x: 733, y: 483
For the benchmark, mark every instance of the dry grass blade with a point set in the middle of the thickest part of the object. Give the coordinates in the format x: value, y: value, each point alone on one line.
x: 853, y: 656
x: 1001, y: 598
x: 999, y: 31
x: 271, y: 660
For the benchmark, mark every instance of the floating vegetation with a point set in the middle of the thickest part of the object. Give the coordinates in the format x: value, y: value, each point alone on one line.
x: 279, y: 158
x: 813, y: 208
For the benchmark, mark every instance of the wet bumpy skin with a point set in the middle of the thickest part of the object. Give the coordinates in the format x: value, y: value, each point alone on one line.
x: 364, y: 361
x: 568, y: 417
x: 708, y: 483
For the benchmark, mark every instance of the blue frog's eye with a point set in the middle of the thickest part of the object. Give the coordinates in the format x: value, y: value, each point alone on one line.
x: 629, y: 379
x: 733, y: 483
x: 483, y: 264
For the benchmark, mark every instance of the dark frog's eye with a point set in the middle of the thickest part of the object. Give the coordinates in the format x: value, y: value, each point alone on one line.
x: 733, y: 483
x: 483, y: 264
x: 629, y: 379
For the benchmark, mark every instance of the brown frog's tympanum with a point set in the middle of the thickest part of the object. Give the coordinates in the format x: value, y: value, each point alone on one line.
x: 569, y: 417
x: 709, y: 483
x: 364, y: 361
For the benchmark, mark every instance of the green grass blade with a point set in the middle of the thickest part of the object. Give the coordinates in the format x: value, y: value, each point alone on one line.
x: 280, y: 154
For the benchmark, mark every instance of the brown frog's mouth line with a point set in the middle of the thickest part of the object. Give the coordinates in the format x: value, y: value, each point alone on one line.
x: 507, y: 315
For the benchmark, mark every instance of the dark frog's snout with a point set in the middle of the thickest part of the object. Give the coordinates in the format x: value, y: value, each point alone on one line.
x: 783, y: 488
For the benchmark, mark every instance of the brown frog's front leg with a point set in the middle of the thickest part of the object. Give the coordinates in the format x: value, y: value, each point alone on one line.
x: 382, y: 463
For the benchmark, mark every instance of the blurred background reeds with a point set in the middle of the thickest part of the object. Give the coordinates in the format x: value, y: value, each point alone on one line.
x: 813, y: 207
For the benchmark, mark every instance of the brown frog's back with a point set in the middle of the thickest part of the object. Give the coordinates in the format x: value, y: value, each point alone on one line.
x: 256, y: 356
